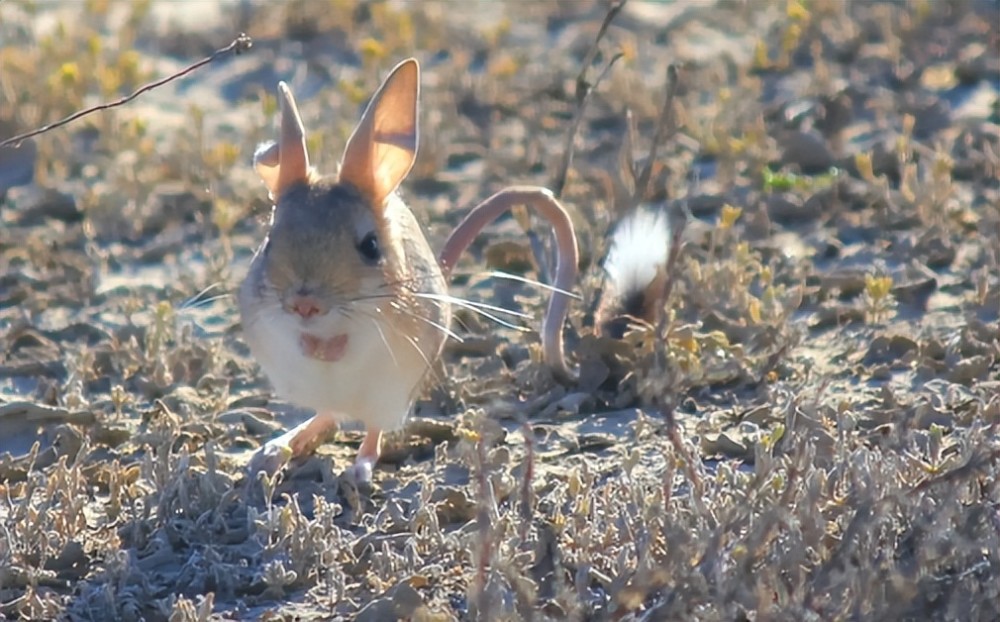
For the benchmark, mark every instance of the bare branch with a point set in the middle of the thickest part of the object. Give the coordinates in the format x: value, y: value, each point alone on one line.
x: 626, y: 162
x: 582, y: 88
x: 485, y: 533
x: 240, y: 44
x: 664, y: 125
x: 672, y: 274
x: 527, y: 516
x: 583, y: 92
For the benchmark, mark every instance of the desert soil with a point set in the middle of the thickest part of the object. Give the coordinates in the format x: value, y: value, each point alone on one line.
x: 811, y: 433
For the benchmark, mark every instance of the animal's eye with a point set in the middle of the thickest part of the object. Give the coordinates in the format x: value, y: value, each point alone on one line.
x: 368, y: 247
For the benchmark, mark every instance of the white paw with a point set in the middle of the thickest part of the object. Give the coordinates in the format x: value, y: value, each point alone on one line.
x: 359, y: 473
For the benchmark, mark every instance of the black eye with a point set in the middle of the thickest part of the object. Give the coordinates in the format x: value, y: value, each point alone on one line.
x: 368, y: 247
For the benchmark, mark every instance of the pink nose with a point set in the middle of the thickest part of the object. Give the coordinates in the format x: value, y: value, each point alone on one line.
x: 305, y: 307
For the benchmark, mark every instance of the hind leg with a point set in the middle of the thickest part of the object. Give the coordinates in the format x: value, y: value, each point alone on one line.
x: 368, y: 455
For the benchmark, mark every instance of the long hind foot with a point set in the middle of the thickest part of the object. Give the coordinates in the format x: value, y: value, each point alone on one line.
x: 302, y: 440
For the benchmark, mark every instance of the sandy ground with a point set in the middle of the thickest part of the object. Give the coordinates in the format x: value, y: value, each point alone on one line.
x: 813, y: 435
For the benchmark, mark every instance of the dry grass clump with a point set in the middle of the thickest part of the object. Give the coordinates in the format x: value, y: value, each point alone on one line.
x: 808, y: 432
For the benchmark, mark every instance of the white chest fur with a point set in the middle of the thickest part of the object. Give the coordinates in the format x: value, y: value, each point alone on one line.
x: 374, y: 382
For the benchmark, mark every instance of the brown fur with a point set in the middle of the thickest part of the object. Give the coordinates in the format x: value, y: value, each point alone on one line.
x: 375, y: 305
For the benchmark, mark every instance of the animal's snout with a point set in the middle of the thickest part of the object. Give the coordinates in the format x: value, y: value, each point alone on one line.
x: 304, y: 306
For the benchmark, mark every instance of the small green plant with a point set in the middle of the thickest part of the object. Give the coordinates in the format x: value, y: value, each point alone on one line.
x: 784, y: 181
x: 877, y: 297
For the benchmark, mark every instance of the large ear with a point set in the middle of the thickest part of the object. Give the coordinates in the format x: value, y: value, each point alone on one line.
x: 285, y: 163
x: 381, y: 151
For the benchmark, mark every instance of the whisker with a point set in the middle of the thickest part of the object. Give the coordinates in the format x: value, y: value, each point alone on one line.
x: 413, y: 342
x: 467, y: 304
x: 408, y: 282
x: 497, y: 274
x: 203, y: 302
x: 410, y: 340
x: 427, y: 321
x: 209, y: 288
x: 527, y: 281
x: 471, y: 304
x: 198, y: 300
x: 505, y: 324
x: 481, y: 308
x: 381, y: 334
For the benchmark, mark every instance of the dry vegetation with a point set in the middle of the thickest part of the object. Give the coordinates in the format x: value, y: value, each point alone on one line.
x: 812, y: 434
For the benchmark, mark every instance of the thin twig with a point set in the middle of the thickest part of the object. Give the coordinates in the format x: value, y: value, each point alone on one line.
x: 240, y: 44
x: 613, y: 12
x: 676, y: 244
x: 529, y: 473
x: 677, y: 224
x: 583, y: 92
x: 664, y: 123
x: 485, y: 532
x: 674, y: 435
x: 526, y: 514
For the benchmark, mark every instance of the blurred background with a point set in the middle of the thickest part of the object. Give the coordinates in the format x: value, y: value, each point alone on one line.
x: 836, y: 165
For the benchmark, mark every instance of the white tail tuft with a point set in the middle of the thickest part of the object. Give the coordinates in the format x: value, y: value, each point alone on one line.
x: 639, y: 249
